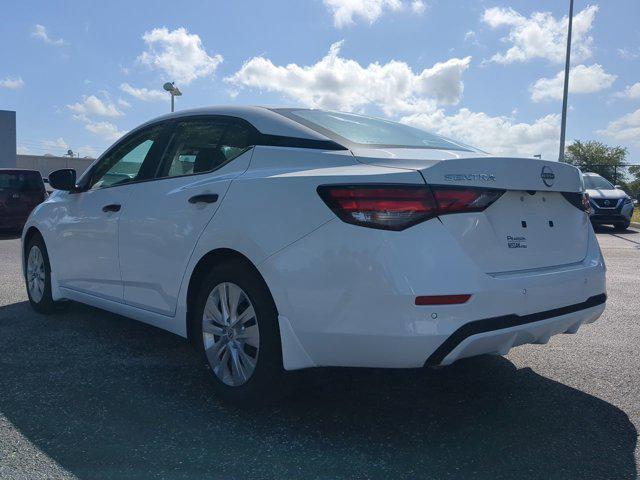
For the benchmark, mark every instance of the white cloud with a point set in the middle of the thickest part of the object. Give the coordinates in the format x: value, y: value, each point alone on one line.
x: 143, y: 94
x: 541, y: 35
x: 12, y: 82
x: 123, y: 103
x: 346, y: 11
x: 627, y: 54
x: 92, y: 105
x: 625, y: 129
x: 499, y: 135
x: 338, y: 83
x: 105, y: 130
x: 57, y: 144
x: 418, y: 6
x: 40, y: 32
x: 632, y: 92
x: 582, y: 79
x: 179, y: 54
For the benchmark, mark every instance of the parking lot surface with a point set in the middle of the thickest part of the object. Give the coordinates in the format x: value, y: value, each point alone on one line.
x: 91, y: 395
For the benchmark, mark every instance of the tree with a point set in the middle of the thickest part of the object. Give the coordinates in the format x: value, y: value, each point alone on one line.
x: 596, y: 157
x: 634, y: 185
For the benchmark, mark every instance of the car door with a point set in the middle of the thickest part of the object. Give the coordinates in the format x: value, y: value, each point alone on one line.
x: 164, y: 219
x: 86, y: 227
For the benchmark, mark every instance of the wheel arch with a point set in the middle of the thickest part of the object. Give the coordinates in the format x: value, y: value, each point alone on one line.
x: 207, y: 262
x: 28, y: 235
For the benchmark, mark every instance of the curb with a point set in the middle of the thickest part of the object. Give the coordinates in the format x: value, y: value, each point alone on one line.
x: 635, y: 225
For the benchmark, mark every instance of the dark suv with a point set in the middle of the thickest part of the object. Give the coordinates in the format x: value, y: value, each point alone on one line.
x: 20, y: 191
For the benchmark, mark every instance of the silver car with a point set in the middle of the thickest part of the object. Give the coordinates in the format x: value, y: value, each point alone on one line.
x: 610, y: 205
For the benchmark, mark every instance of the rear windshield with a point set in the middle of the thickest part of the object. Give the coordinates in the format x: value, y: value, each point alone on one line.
x: 21, y: 181
x: 596, y: 182
x: 369, y: 132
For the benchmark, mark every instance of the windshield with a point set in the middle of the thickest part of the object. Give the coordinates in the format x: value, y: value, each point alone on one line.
x: 21, y: 181
x: 370, y: 132
x: 596, y: 182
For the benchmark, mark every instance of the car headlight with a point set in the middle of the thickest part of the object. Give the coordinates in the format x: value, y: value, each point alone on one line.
x: 627, y: 201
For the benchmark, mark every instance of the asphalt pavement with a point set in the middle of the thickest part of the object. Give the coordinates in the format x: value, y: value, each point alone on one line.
x: 91, y: 395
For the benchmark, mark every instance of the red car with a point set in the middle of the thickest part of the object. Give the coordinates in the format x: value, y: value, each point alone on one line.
x: 20, y: 191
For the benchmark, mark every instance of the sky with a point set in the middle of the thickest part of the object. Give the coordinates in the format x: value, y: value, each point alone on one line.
x: 487, y: 72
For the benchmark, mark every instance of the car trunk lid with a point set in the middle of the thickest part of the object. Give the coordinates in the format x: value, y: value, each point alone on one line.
x: 531, y: 226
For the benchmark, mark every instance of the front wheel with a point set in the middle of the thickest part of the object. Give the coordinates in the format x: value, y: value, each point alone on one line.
x: 38, y: 278
x: 237, y: 333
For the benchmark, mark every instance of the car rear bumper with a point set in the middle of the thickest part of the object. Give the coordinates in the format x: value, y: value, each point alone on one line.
x: 499, y: 334
x: 347, y: 298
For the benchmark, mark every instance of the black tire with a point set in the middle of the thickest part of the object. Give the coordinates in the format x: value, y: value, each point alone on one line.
x: 268, y: 382
x: 621, y: 227
x: 46, y: 304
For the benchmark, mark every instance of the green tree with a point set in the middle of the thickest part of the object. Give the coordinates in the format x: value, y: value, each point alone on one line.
x: 634, y: 185
x: 596, y: 157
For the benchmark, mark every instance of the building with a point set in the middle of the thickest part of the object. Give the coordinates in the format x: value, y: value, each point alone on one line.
x: 7, y: 139
x: 46, y: 164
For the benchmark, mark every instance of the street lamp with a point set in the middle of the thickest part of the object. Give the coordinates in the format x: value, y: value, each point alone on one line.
x: 565, y: 95
x: 173, y: 91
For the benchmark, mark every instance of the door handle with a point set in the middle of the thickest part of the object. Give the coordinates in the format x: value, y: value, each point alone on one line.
x: 114, y: 207
x: 204, y: 198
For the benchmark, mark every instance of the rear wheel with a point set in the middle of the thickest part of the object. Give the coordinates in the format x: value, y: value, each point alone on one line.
x: 620, y: 227
x: 38, y: 278
x: 236, y: 330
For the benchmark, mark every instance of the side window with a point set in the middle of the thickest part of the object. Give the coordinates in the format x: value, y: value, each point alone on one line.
x: 124, y: 163
x: 204, y: 145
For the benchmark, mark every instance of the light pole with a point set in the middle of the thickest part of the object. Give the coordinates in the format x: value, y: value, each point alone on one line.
x: 173, y: 91
x: 565, y: 95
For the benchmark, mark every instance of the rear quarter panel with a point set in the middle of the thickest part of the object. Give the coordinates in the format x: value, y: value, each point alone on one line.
x: 275, y: 203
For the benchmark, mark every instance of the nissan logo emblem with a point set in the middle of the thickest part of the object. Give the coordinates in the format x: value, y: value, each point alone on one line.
x: 547, y: 176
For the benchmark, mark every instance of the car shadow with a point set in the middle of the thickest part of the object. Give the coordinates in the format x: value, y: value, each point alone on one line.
x: 107, y: 397
x: 611, y: 230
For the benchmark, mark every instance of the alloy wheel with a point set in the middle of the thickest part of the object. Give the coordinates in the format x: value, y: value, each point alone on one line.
x: 230, y: 334
x: 35, y: 274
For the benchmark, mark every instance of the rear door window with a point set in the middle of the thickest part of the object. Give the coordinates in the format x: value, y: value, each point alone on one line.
x: 204, y: 145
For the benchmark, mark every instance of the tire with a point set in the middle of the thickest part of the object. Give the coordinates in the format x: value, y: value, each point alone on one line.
x: 621, y: 227
x: 217, y: 341
x: 40, y: 297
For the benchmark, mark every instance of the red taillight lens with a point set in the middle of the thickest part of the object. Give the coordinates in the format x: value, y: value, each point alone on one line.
x: 388, y: 207
x: 452, y: 199
x: 578, y: 200
x: 396, y: 207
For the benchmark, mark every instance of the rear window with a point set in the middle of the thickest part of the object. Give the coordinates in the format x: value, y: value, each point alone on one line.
x: 596, y: 182
x: 21, y: 181
x: 368, y: 131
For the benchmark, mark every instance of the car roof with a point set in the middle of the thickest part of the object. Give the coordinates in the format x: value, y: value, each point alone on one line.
x: 264, y: 119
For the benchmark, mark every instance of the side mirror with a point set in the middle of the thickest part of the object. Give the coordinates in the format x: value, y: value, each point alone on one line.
x: 64, y: 179
x: 618, y: 187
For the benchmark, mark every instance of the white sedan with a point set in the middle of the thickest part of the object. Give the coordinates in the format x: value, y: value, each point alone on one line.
x: 283, y: 239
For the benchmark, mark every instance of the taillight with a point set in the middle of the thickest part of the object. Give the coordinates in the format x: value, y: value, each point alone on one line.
x: 452, y: 199
x: 388, y: 207
x: 578, y: 200
x: 397, y: 207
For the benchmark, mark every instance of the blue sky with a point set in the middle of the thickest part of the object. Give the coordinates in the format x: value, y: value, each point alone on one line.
x: 79, y: 74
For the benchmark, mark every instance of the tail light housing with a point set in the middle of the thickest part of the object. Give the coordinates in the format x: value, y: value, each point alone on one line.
x: 398, y: 206
x: 579, y: 200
